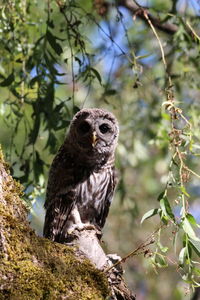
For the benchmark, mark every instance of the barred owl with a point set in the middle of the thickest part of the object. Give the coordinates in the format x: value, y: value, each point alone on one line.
x: 82, y: 177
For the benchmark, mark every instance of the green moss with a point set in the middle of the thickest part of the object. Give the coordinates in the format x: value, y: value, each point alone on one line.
x: 53, y: 271
x: 6, y: 165
x: 36, y: 268
x: 1, y: 155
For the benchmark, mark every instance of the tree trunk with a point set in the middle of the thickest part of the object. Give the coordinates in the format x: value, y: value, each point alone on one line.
x: 32, y: 267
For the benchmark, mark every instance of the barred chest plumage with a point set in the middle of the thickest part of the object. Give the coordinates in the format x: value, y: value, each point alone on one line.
x: 92, y: 195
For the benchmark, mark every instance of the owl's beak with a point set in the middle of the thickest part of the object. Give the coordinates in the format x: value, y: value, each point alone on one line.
x: 94, y: 138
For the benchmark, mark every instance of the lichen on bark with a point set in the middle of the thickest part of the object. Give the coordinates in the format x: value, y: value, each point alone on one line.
x: 32, y: 267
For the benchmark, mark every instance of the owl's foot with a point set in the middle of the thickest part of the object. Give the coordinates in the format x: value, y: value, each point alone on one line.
x: 84, y: 226
x: 75, y: 227
x: 88, y: 226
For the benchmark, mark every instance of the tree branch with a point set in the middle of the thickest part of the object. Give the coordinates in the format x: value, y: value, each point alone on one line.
x: 34, y: 268
x: 139, y: 11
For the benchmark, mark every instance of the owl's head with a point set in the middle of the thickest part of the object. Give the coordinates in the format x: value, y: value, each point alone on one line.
x: 94, y: 131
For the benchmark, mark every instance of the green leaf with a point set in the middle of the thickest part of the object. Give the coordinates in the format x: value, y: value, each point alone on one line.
x: 17, y: 112
x: 183, y: 190
x: 164, y: 218
x: 161, y: 196
x: 78, y: 60
x: 34, y: 80
x: 182, y: 255
x: 195, y: 245
x: 59, y: 107
x: 166, y: 208
x: 15, y: 93
x: 63, y: 124
x: 189, y: 230
x: 197, y: 272
x: 76, y: 109
x: 35, y: 131
x: 165, y: 116
x: 50, y: 65
x: 53, y: 58
x: 51, y: 143
x: 160, y: 261
x: 150, y: 214
x: 96, y: 73
x: 191, y: 219
x: 7, y: 81
x: 110, y: 92
x: 38, y: 166
x: 143, y: 56
x: 162, y: 248
x: 186, y: 278
x: 50, y: 23
x: 52, y: 41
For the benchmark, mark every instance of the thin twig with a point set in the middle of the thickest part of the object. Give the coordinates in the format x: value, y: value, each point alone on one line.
x: 150, y: 240
x: 193, y: 31
x: 159, y: 41
x: 191, y: 171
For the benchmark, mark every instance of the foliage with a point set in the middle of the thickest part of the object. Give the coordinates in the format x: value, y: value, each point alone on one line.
x: 143, y: 64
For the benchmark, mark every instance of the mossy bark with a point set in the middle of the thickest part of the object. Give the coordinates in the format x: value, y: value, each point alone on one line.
x: 36, y: 268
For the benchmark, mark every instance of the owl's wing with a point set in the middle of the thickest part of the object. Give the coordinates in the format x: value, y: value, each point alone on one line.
x: 61, y: 194
x: 61, y: 175
x: 113, y: 179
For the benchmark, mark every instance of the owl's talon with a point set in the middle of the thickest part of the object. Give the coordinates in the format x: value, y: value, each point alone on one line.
x: 81, y: 227
x: 71, y: 230
x: 92, y: 227
x: 87, y: 227
x: 75, y: 227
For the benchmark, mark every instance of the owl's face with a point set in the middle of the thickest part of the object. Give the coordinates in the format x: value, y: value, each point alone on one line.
x: 94, y: 131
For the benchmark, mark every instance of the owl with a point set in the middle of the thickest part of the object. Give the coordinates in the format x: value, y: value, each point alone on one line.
x: 82, y: 177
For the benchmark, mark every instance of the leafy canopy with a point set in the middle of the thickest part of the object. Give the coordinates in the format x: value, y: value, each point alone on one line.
x: 138, y: 59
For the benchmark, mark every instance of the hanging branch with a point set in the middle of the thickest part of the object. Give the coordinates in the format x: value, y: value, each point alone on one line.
x: 139, y: 11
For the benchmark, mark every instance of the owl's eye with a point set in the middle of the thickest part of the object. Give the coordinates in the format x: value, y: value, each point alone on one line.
x: 104, y: 128
x: 84, y: 127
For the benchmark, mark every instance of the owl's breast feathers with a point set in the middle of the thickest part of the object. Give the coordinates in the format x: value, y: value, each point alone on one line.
x: 95, y: 194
